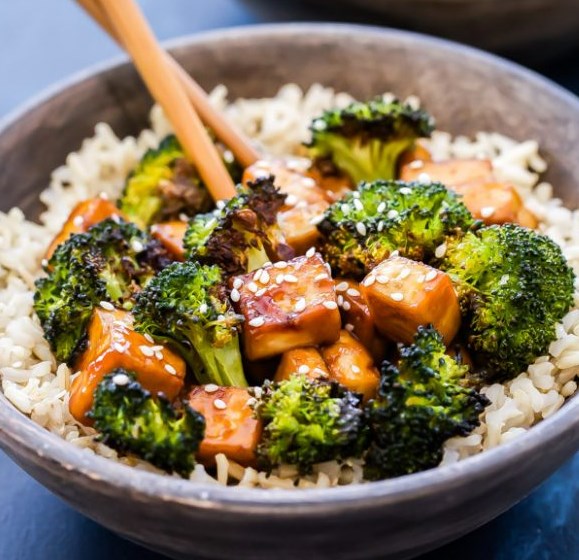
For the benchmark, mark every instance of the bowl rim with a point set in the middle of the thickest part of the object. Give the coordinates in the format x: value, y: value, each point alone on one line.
x: 18, y: 430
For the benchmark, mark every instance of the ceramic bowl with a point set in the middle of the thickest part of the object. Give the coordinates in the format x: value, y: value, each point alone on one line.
x: 467, y: 91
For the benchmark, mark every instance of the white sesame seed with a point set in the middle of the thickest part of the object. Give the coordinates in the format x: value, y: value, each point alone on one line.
x: 120, y: 348
x: 149, y: 338
x: 252, y: 287
x: 44, y: 263
x: 280, y: 264
x: 78, y: 221
x: 360, y: 228
x: 342, y: 287
x: 251, y: 401
x: 279, y: 278
x: 258, y: 392
x: 183, y: 217
x: 290, y: 278
x: 137, y: 246
x: 219, y: 404
x: 355, y: 194
x: 330, y: 305
x: 261, y: 292
x: 170, y: 369
x: 420, y: 278
x: 17, y: 364
x: 346, y: 209
x: 431, y: 275
x: 115, y: 218
x: 291, y: 199
x: 346, y: 305
x: 424, y: 178
x: 147, y: 351
x: 320, y: 277
x: 266, y: 264
x: 381, y: 207
x: 404, y: 273
x: 397, y: 296
x: 237, y: 283
x: 300, y: 305
x: 394, y: 253
x: 121, y: 379
x: 264, y: 278
x: 257, y: 275
x: 308, y: 182
x: 381, y: 225
x: 440, y: 251
x: 340, y: 300
x: 369, y: 280
x: 303, y: 369
x: 159, y: 356
x: 107, y: 305
x: 220, y: 204
x: 349, y: 327
x: 203, y: 308
x: 504, y: 279
x: 257, y: 322
x: 405, y: 190
x: 416, y: 164
x: 487, y: 211
x: 355, y: 368
x: 392, y: 214
x: 235, y: 295
x: 317, y: 220
x: 103, y: 196
x: 353, y: 292
x: 382, y: 279
x: 310, y: 252
x: 211, y: 388
x: 358, y: 205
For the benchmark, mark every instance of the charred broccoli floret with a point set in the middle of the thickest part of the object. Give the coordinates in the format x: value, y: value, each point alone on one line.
x: 243, y: 234
x: 131, y: 420
x: 514, y: 285
x: 186, y: 306
x: 367, y: 225
x: 308, y: 421
x: 110, y: 262
x: 421, y: 403
x: 165, y: 185
x: 365, y: 140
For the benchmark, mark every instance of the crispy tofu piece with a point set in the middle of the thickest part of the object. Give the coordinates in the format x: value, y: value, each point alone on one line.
x: 404, y: 294
x: 230, y: 426
x: 112, y: 343
x: 452, y: 172
x: 171, y: 235
x: 334, y: 186
x: 301, y: 361
x: 494, y: 203
x: 527, y: 219
x: 287, y: 305
x: 297, y: 227
x: 350, y: 364
x: 357, y: 319
x: 83, y: 216
x: 416, y: 153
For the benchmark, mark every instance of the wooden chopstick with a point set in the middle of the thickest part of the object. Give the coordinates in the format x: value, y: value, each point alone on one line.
x: 129, y: 23
x: 239, y: 144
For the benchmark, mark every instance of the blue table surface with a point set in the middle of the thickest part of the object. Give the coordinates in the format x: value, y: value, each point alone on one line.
x: 43, y: 41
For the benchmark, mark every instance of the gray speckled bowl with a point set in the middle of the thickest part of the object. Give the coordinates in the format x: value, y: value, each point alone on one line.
x: 467, y: 91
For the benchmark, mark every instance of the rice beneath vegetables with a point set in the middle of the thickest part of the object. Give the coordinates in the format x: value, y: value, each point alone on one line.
x: 38, y: 386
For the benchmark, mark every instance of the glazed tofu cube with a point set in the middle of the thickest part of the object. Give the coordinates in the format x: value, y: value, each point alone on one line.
x: 230, y: 426
x: 84, y: 215
x: 334, y: 186
x: 112, y: 343
x: 357, y: 319
x: 451, y: 173
x: 287, y: 305
x: 301, y: 361
x: 298, y: 225
x: 171, y: 235
x: 351, y: 364
x: 404, y: 294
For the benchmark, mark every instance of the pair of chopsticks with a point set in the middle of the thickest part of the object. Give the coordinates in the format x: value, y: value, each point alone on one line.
x: 182, y: 99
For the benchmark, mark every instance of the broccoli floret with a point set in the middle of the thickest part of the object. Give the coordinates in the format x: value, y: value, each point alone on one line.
x: 165, y: 185
x: 421, y: 403
x: 110, y: 262
x: 186, y: 305
x: 365, y: 140
x: 367, y: 225
x: 514, y: 286
x: 308, y: 421
x: 131, y: 420
x: 243, y: 234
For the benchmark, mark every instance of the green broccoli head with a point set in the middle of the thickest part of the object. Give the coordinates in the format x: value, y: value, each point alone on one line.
x: 241, y: 235
x: 308, y: 421
x: 187, y: 306
x: 165, y: 185
x: 131, y: 420
x: 110, y: 262
x: 367, y: 225
x: 365, y: 140
x: 421, y: 403
x: 514, y: 285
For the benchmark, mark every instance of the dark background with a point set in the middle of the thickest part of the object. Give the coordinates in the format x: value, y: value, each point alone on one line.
x: 42, y: 41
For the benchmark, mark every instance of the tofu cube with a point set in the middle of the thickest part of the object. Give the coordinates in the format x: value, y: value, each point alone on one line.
x: 301, y: 361
x: 451, y: 173
x: 403, y: 294
x: 230, y: 426
x: 287, y: 305
x: 171, y: 235
x: 352, y: 365
x: 112, y: 343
